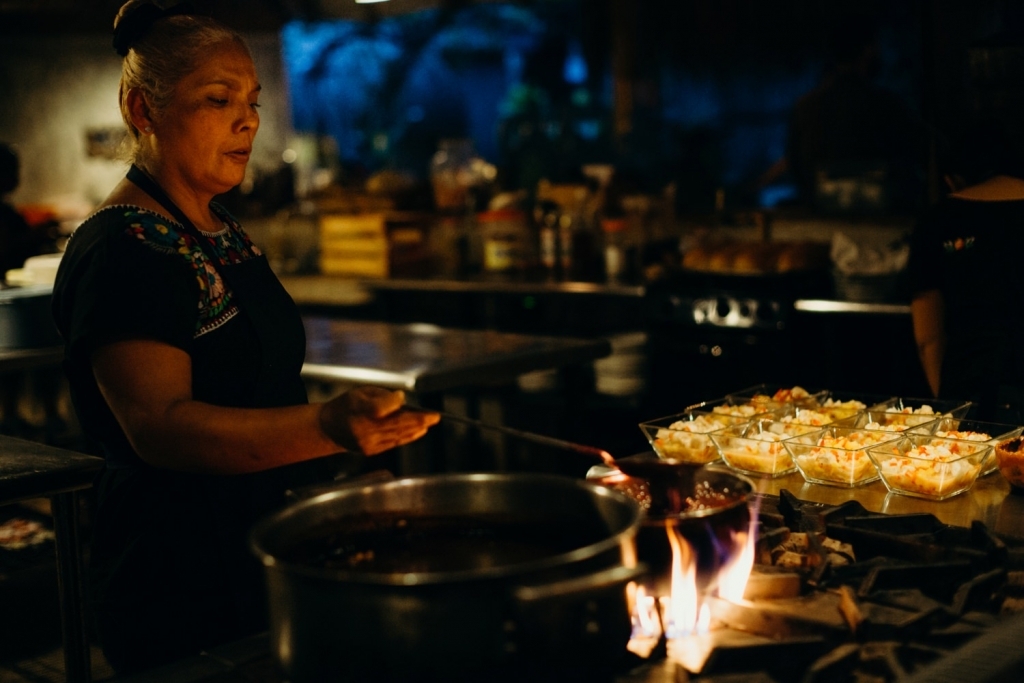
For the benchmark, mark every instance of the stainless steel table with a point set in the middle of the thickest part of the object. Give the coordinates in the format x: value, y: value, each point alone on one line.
x: 33, y: 470
x: 427, y: 358
x: 14, y: 360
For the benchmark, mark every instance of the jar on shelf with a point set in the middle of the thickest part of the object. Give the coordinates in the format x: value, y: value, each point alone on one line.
x: 451, y: 173
x: 506, y: 240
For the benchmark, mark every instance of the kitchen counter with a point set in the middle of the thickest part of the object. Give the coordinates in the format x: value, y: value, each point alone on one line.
x: 329, y: 291
x: 991, y: 501
x: 250, y: 660
x: 33, y: 470
x: 871, y: 308
x: 428, y: 358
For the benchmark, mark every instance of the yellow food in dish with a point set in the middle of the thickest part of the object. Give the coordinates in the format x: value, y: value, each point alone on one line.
x: 933, y: 470
x: 839, y: 459
x: 837, y: 410
x: 761, y: 453
x: 688, y: 440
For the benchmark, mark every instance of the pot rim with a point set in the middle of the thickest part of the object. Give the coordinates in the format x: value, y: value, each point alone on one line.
x: 721, y: 471
x: 270, y: 561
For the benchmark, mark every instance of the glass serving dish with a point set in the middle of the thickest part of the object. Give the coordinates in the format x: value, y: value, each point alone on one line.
x: 736, y: 407
x: 970, y: 430
x: 776, y: 395
x: 837, y: 456
x: 917, y: 410
x: 756, y: 447
x: 923, y: 466
x: 793, y: 413
x: 840, y: 405
x: 882, y: 419
x: 686, y: 436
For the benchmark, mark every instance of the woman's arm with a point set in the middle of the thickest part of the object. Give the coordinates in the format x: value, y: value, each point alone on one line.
x: 148, y: 386
x: 928, y: 313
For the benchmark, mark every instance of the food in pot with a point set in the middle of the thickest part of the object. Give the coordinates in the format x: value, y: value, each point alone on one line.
x: 837, y: 457
x: 930, y: 468
x: 402, y: 543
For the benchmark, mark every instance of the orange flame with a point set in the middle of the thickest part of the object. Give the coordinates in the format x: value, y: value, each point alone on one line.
x: 683, y: 612
x: 733, y: 576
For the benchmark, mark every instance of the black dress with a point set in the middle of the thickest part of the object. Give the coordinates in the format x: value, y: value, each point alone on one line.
x: 970, y: 252
x: 170, y: 569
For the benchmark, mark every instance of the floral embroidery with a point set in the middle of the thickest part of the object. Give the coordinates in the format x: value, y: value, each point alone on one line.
x: 229, y: 246
x: 959, y: 244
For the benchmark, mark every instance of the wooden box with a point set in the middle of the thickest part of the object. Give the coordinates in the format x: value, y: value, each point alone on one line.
x: 373, y: 245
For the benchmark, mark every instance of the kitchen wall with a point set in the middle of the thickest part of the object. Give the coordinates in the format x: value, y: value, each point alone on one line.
x: 55, y: 87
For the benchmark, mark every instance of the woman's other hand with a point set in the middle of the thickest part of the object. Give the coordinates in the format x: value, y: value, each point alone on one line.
x: 370, y: 420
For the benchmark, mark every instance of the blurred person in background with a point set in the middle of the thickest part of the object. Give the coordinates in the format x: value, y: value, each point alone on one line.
x: 850, y: 126
x: 17, y: 239
x: 966, y: 281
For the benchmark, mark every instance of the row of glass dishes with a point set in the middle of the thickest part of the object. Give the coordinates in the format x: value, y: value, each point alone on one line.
x: 919, y: 447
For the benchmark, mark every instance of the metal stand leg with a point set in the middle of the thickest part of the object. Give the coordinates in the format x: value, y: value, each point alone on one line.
x: 77, y: 665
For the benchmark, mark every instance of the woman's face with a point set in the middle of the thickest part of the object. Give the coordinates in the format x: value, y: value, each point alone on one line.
x: 204, y: 136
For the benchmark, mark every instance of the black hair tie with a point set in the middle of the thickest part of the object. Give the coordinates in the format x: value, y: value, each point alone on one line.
x: 135, y: 25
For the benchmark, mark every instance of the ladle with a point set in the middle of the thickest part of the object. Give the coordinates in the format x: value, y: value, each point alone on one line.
x: 669, y: 480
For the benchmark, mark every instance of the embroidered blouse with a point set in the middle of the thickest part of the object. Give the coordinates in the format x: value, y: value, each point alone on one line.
x: 130, y: 273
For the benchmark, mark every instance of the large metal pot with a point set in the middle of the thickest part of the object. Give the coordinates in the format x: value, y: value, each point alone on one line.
x: 449, y: 577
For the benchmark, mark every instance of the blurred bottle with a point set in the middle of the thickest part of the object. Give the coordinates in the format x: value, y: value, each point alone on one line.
x: 505, y: 236
x: 614, y: 233
x: 545, y: 219
x: 566, y: 242
x: 450, y: 173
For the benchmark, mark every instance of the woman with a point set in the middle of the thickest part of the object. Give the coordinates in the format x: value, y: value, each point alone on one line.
x: 967, y: 284
x: 183, y: 353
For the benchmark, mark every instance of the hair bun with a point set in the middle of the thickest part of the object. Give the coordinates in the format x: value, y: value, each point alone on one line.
x: 137, y: 22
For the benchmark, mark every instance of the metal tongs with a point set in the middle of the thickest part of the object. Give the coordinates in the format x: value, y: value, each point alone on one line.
x: 665, y: 477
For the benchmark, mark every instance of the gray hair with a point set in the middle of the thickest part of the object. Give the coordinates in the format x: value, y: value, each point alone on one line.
x: 171, y: 49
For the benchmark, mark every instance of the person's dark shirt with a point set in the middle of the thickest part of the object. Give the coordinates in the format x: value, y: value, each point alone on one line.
x: 970, y: 252
x: 133, y: 275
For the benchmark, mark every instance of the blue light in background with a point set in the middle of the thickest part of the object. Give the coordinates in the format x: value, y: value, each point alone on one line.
x: 575, y: 70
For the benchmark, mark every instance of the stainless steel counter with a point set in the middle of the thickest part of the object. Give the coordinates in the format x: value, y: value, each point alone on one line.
x: 328, y: 290
x: 990, y: 500
x: 828, y: 306
x: 428, y: 358
x: 33, y: 470
x: 323, y: 290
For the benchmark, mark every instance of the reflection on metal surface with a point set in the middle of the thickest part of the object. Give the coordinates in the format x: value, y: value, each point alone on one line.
x: 826, y: 306
x: 498, y: 286
x: 430, y: 358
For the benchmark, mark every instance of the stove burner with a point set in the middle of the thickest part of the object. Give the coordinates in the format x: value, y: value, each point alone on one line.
x: 739, y: 312
x: 917, y: 593
x: 921, y: 602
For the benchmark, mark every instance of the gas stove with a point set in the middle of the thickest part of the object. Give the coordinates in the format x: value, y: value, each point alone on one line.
x: 859, y: 596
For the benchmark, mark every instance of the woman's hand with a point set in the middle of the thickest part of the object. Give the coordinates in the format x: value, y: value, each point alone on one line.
x: 370, y: 420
